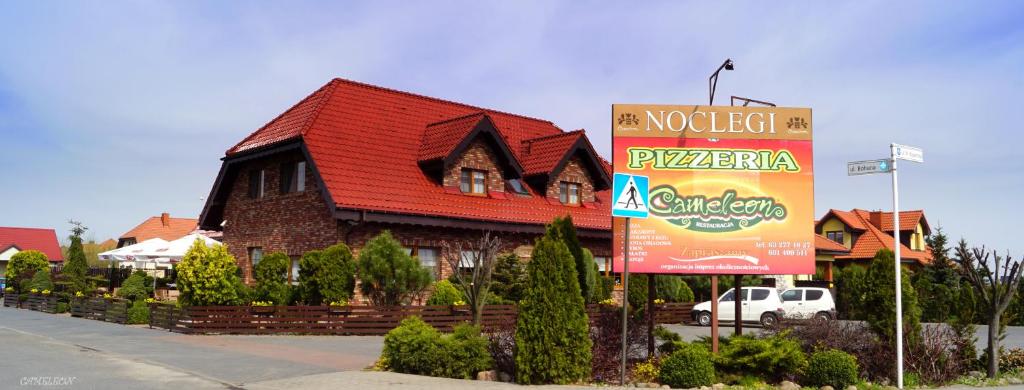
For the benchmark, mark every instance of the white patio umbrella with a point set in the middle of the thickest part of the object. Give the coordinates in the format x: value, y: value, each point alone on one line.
x: 175, y: 250
x: 128, y: 253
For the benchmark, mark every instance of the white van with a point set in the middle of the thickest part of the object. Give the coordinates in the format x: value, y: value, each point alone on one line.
x: 808, y: 302
x: 759, y: 304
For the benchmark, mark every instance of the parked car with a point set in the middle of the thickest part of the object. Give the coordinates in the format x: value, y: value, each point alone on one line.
x: 808, y: 302
x: 759, y: 304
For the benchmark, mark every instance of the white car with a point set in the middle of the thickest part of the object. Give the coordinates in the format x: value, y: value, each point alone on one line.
x: 808, y: 302
x: 759, y: 304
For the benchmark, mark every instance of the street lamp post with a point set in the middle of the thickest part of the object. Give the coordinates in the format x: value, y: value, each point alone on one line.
x: 713, y: 80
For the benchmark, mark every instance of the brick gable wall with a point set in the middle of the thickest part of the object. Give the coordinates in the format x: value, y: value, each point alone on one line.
x: 293, y: 223
x: 480, y: 157
x: 574, y: 172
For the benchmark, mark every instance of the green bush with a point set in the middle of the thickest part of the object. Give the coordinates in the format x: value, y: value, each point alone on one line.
x: 445, y: 293
x: 23, y: 265
x: 208, y: 276
x: 690, y: 366
x: 773, y: 357
x: 134, y: 287
x: 880, y: 297
x: 271, y: 279
x: 417, y: 348
x: 388, y: 275
x: 138, y: 312
x: 62, y: 307
x: 552, y: 331
x: 327, y: 276
x: 832, y: 368
x: 41, y: 281
x: 850, y: 297
x: 672, y: 288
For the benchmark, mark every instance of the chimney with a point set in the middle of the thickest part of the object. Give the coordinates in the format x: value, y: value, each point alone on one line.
x: 876, y: 219
x: 165, y: 219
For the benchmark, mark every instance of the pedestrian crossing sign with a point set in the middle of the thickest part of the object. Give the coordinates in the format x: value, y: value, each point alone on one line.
x: 630, y: 196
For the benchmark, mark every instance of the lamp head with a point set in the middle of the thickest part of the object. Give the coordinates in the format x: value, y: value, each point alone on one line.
x: 728, y: 64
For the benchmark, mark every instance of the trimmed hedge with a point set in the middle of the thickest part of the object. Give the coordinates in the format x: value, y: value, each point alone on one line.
x: 689, y: 366
x: 417, y: 348
x: 832, y: 368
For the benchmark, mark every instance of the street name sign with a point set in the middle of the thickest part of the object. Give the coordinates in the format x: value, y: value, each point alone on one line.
x: 909, y: 153
x: 868, y: 167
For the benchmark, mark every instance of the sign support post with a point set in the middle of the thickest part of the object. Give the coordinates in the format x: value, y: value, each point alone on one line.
x: 625, y: 302
x: 896, y: 152
x: 714, y: 313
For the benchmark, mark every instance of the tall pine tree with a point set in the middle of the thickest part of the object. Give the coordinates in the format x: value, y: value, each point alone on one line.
x: 75, y: 265
x: 552, y: 332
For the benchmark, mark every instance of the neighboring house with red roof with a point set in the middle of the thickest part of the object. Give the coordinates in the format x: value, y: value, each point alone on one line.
x: 17, y: 239
x: 862, y: 233
x: 162, y: 226
x: 351, y: 160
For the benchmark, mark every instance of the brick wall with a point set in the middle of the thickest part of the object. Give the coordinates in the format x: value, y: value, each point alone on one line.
x: 293, y: 223
x: 574, y: 172
x: 480, y: 157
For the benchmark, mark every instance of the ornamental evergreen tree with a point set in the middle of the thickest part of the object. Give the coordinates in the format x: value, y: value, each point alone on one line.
x: 563, y: 229
x: 880, y: 297
x: 134, y: 287
x: 75, y: 266
x: 388, y: 275
x: 552, y: 331
x: 327, y: 276
x: 271, y: 279
x: 41, y: 281
x: 23, y: 266
x: 509, y: 278
x: 208, y: 276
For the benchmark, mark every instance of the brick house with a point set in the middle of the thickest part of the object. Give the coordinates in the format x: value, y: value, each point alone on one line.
x: 351, y: 160
x: 861, y: 233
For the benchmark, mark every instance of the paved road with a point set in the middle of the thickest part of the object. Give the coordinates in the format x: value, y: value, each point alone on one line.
x: 104, y: 355
x: 74, y: 353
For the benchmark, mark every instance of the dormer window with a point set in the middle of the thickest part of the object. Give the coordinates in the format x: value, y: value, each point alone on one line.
x: 569, y: 193
x: 473, y: 182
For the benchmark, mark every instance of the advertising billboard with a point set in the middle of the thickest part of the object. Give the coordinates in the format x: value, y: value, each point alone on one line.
x: 731, y: 189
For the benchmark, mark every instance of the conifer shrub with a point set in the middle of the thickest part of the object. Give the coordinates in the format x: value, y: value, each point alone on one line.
x: 75, y: 266
x: 689, y: 366
x: 208, y: 276
x: 138, y: 312
x: 271, y: 279
x: 672, y: 288
x: 134, y: 287
x: 445, y: 293
x: 880, y: 297
x: 562, y: 229
x: 417, y: 348
x: 552, y: 332
x: 41, y: 280
x: 327, y: 276
x: 775, y: 357
x: 508, y: 279
x: 831, y: 368
x: 388, y: 275
x: 23, y: 266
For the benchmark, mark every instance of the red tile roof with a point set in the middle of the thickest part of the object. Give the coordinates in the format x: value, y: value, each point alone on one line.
x: 542, y: 154
x: 441, y: 138
x: 155, y: 227
x: 822, y: 243
x: 909, y: 219
x: 872, y: 238
x: 349, y: 128
x: 43, y: 240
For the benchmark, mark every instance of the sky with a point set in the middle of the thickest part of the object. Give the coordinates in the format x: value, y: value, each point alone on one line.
x: 112, y: 112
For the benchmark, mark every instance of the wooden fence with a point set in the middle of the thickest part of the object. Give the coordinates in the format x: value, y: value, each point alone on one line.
x: 40, y: 302
x: 348, y: 320
x: 100, y: 309
x: 11, y: 299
